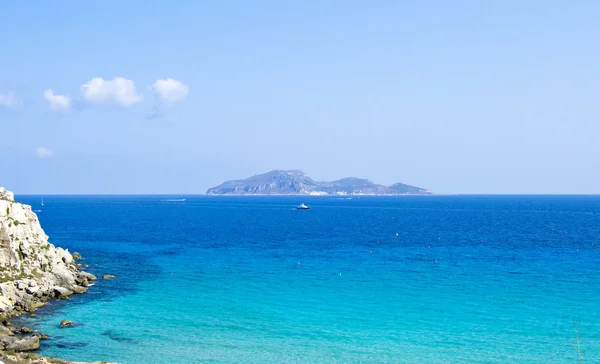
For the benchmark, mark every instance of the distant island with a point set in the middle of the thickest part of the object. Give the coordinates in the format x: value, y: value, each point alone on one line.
x: 296, y: 182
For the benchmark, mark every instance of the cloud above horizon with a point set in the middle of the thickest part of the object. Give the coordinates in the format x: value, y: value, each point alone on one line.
x: 9, y: 100
x: 43, y: 153
x: 170, y: 91
x: 120, y: 91
x: 57, y: 102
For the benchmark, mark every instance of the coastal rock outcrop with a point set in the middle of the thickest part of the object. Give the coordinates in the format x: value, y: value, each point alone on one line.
x: 5, y: 331
x: 31, y: 269
x: 25, y: 344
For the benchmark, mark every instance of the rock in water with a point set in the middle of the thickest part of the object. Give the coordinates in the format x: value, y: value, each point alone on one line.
x: 25, y: 344
x: 42, y: 336
x: 76, y: 256
x: 108, y: 276
x: 71, y: 345
x: 66, y: 323
x: 26, y: 330
x: 62, y: 292
x: 88, y: 276
x: 84, y: 279
x: 80, y: 289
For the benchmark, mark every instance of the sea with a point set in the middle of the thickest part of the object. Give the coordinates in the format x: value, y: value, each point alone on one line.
x: 408, y: 279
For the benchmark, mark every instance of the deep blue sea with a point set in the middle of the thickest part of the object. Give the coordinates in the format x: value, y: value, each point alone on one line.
x: 421, y: 279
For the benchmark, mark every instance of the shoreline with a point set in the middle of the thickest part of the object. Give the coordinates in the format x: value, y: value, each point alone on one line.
x: 11, y: 331
x: 32, y: 273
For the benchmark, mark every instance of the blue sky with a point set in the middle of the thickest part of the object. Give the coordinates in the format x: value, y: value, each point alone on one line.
x: 454, y: 96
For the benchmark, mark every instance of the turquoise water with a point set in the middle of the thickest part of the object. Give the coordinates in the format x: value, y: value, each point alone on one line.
x: 467, y: 279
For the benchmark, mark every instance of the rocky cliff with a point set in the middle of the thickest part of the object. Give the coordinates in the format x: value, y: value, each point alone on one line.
x: 32, y: 269
x: 297, y: 183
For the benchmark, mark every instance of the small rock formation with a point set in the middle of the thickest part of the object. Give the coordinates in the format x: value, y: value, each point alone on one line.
x: 26, y: 330
x: 61, y: 292
x: 88, y: 276
x: 76, y: 256
x: 108, y: 276
x: 41, y: 336
x: 66, y: 323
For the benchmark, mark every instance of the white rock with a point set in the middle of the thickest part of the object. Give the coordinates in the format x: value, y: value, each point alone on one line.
x: 33, y: 266
x: 62, y: 291
x: 5, y: 304
x: 7, y: 195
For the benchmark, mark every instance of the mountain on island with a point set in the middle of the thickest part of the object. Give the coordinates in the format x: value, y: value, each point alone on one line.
x: 296, y: 182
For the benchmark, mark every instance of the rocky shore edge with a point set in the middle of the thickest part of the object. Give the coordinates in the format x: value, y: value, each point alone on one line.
x: 32, y: 272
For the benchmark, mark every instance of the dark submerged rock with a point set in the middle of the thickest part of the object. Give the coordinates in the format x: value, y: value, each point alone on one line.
x: 116, y: 337
x: 66, y: 323
x: 71, y: 345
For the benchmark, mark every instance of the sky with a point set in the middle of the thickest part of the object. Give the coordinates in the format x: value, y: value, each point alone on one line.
x: 178, y: 96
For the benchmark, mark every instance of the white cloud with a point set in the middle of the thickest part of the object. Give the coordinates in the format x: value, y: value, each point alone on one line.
x: 170, y: 90
x: 57, y: 102
x: 9, y: 99
x: 120, y: 90
x: 43, y: 152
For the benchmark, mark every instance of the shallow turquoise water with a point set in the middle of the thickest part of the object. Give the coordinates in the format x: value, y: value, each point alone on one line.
x: 468, y: 279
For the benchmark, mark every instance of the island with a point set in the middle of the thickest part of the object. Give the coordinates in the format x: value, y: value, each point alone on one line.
x: 295, y: 182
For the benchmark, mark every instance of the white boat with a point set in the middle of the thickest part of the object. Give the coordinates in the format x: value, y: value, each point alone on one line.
x: 302, y: 207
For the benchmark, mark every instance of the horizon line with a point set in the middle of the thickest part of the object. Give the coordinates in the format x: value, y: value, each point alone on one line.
x: 299, y: 195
